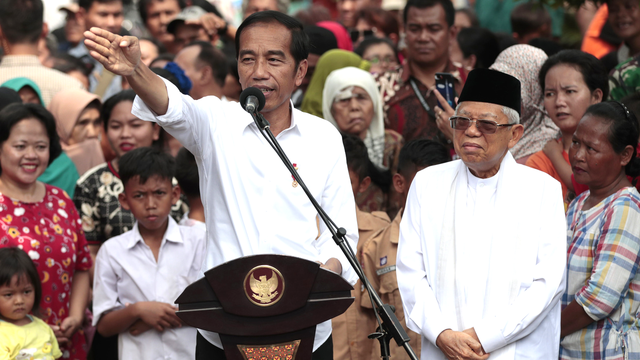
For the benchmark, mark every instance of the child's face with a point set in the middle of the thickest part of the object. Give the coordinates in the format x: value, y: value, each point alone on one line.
x: 150, y: 202
x: 16, y: 300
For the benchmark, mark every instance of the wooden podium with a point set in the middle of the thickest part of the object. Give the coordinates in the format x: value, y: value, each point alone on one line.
x: 265, y: 306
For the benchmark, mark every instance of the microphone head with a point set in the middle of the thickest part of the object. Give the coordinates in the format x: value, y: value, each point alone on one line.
x: 252, y: 91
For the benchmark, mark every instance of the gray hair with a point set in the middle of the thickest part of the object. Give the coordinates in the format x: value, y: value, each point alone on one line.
x: 282, y: 5
x: 512, y: 115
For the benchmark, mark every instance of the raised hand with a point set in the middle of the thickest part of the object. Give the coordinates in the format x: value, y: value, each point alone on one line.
x: 118, y: 54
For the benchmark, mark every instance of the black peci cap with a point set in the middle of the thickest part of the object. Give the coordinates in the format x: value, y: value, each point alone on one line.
x: 494, y: 87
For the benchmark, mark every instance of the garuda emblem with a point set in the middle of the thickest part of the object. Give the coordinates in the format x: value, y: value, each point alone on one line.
x: 264, y: 290
x: 264, y: 285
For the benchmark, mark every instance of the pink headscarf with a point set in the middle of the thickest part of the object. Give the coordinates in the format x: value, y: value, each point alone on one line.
x: 66, y: 107
x: 343, y: 37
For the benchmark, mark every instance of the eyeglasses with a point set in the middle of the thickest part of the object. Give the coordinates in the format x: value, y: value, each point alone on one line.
x: 387, y: 60
x: 484, y: 126
x: 356, y: 34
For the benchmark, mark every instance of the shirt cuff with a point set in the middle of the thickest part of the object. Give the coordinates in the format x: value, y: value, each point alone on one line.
x: 430, y: 326
x: 174, y: 110
x: 490, y: 336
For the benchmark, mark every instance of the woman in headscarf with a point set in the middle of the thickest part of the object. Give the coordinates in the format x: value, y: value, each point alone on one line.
x: 524, y: 63
x: 27, y: 89
x: 328, y: 62
x: 342, y: 35
x: 77, y: 114
x: 352, y: 103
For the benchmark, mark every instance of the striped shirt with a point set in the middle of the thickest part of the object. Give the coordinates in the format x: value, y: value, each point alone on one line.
x: 603, y: 277
x: 48, y: 80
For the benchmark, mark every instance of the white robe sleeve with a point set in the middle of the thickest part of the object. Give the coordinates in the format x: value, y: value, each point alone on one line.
x: 422, y: 312
x: 535, y: 303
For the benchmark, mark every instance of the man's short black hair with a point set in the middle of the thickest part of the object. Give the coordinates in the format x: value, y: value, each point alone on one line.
x: 358, y: 161
x: 593, y: 72
x: 447, y: 5
x: 421, y: 153
x: 86, y: 4
x: 144, y: 4
x: 16, y: 112
x: 146, y: 162
x: 187, y: 173
x: 299, y: 47
x: 479, y: 42
x: 213, y: 58
x: 529, y: 17
x: 21, y: 20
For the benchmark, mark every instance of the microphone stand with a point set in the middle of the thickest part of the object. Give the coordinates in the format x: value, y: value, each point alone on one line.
x: 390, y: 327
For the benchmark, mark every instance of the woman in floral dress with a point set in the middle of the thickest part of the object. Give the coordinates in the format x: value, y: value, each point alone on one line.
x: 42, y: 220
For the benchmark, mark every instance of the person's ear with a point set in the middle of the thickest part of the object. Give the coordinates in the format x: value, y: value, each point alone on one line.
x: 206, y: 75
x: 393, y: 38
x: 156, y: 131
x: 364, y: 184
x: 175, y: 194
x: 301, y: 72
x: 124, y: 201
x: 516, y: 134
x: 45, y: 30
x: 399, y: 183
x: 596, y: 96
x: 473, y: 60
x: 626, y: 155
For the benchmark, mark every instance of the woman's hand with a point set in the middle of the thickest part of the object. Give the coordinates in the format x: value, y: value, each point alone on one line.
x: 59, y: 334
x: 553, y: 149
x: 443, y: 114
x: 70, y: 325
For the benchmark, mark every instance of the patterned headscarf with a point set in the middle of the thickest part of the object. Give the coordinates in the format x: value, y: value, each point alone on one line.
x: 524, y: 62
x: 340, y: 79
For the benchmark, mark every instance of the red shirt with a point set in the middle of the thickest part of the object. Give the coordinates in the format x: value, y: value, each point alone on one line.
x: 50, y: 232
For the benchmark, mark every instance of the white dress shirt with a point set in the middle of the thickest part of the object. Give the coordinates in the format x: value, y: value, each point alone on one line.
x: 186, y: 221
x: 519, y: 206
x: 126, y: 272
x: 251, y: 205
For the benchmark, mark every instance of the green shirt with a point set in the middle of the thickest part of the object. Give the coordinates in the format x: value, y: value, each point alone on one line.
x: 61, y: 173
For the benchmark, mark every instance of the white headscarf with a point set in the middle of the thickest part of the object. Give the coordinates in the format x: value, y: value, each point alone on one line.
x: 340, y: 79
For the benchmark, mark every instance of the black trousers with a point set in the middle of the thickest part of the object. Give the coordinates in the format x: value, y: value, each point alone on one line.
x: 207, y: 351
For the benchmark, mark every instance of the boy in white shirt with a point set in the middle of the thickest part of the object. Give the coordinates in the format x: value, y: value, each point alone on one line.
x: 139, y: 274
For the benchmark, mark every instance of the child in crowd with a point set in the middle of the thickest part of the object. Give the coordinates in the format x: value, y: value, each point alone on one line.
x: 187, y: 176
x: 22, y: 336
x: 530, y: 20
x: 350, y: 330
x: 380, y: 250
x: 139, y: 274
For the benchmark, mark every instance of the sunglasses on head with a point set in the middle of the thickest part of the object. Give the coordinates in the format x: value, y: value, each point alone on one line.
x: 484, y: 126
x: 355, y: 34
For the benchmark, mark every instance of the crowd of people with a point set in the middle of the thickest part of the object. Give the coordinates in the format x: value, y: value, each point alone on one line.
x: 504, y: 224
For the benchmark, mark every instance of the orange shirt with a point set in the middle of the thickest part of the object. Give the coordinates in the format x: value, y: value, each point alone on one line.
x: 541, y: 162
x: 592, y: 43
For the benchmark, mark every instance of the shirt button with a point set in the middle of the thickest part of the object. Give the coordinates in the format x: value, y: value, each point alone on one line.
x: 481, y: 185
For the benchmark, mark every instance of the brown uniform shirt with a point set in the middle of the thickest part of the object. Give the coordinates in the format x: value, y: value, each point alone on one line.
x: 403, y: 109
x: 380, y: 253
x: 350, y: 330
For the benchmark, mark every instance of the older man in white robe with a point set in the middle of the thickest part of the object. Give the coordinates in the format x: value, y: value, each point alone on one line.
x: 482, y: 251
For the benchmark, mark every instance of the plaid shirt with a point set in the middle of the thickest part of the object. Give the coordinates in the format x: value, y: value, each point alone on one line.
x: 48, y: 80
x: 603, y: 277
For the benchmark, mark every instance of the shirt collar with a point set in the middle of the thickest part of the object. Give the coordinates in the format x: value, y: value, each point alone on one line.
x: 395, y: 227
x: 20, y: 60
x: 294, y: 124
x: 489, y: 183
x: 459, y: 75
x: 171, y: 234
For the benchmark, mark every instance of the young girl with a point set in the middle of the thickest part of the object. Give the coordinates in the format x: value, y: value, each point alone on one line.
x: 22, y: 336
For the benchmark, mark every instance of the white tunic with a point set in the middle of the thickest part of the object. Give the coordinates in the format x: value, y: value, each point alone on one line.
x: 250, y: 204
x: 511, y: 226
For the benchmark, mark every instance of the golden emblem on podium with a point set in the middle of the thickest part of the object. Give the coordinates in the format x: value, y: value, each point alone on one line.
x: 264, y: 285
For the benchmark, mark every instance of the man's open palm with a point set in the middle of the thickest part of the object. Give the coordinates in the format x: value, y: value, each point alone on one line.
x: 118, y: 54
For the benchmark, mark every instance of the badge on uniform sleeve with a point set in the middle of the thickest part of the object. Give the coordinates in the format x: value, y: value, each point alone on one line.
x: 383, y: 261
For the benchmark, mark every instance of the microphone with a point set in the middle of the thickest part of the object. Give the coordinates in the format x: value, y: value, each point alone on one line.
x: 252, y: 100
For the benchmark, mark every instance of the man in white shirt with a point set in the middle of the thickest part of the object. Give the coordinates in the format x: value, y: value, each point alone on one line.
x: 482, y: 248
x: 252, y: 205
